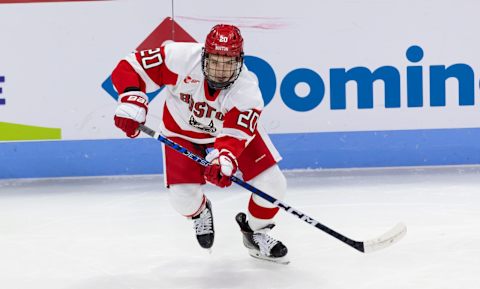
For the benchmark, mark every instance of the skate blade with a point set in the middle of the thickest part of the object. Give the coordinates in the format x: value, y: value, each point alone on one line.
x: 208, y: 250
x: 282, y: 260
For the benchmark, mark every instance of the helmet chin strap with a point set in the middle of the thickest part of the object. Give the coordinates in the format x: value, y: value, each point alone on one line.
x: 219, y: 85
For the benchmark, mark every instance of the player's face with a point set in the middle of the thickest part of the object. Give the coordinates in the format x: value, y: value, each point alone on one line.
x: 221, y: 68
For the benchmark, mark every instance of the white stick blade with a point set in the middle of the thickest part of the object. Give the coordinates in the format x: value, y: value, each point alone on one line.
x: 386, y: 240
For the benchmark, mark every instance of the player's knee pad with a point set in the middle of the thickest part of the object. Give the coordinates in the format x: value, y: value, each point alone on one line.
x: 271, y: 181
x: 187, y: 199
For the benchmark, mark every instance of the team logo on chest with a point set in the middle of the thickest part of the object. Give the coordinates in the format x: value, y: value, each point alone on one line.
x: 201, y: 109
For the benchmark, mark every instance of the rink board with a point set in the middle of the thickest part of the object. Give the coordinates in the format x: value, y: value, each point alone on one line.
x: 340, y: 91
x: 299, y: 151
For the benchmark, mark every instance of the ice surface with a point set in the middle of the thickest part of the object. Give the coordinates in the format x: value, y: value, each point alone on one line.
x: 120, y: 232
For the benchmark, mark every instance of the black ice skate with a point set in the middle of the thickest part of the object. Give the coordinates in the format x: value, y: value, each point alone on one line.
x: 259, y: 244
x: 203, y: 225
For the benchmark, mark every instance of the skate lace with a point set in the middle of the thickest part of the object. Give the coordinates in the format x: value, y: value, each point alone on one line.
x: 203, y: 224
x: 264, y: 242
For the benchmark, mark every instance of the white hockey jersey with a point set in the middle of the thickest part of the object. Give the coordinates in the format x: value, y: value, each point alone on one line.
x: 228, y: 117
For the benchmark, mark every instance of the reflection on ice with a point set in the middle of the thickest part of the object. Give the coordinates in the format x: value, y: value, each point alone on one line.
x: 120, y: 232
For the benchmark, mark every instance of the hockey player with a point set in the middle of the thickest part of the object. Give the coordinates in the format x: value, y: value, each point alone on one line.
x: 212, y: 107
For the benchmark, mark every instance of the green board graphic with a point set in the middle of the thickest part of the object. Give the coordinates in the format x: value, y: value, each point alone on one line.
x: 12, y: 132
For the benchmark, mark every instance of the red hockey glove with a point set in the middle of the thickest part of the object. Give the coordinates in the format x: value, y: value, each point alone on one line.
x: 223, y: 166
x: 131, y: 111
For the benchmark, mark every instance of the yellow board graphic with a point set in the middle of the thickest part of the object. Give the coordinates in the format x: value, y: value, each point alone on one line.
x: 12, y: 132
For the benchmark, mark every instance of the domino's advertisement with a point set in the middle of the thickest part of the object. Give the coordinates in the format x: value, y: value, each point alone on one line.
x: 346, y: 84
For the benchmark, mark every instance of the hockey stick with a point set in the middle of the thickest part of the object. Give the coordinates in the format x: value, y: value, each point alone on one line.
x: 385, y: 240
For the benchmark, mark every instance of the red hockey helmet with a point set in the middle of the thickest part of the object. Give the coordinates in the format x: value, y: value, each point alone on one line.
x: 224, y: 39
x: 222, y: 58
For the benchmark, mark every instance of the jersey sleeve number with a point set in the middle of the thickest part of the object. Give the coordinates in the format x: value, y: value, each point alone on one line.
x: 248, y: 120
x: 151, y: 58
